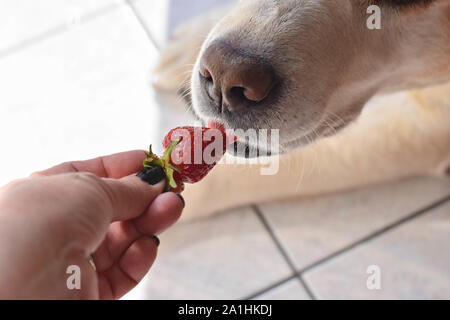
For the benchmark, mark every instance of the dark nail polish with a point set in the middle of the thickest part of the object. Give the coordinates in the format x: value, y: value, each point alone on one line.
x: 182, y: 199
x: 156, y: 239
x: 152, y: 175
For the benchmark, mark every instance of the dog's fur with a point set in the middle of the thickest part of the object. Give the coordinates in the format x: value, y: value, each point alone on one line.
x: 329, y: 65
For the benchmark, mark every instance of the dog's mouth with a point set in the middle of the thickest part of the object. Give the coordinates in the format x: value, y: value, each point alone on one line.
x: 241, y: 147
x: 246, y: 148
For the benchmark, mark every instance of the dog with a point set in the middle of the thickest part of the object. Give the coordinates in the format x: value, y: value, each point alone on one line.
x: 354, y: 105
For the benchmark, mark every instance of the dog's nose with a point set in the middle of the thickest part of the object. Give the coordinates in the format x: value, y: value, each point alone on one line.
x: 235, y: 81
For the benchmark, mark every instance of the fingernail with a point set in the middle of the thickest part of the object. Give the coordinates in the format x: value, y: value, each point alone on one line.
x: 182, y: 199
x: 156, y: 239
x: 152, y: 175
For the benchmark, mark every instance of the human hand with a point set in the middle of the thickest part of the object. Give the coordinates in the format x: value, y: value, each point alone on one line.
x: 66, y: 214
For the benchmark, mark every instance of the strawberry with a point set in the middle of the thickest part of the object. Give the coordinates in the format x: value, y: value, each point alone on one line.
x: 190, y: 153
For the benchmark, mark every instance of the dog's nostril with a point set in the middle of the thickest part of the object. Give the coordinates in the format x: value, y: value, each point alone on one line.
x: 247, y: 85
x: 204, y: 72
x: 239, y: 81
x: 238, y: 92
x: 247, y: 94
x: 236, y: 96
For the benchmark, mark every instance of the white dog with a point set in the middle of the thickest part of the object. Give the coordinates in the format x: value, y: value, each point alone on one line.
x: 311, y: 68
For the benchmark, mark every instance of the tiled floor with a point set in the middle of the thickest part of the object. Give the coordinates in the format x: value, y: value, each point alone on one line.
x: 74, y: 78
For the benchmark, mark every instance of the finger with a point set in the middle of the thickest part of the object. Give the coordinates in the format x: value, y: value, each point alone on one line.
x: 129, y: 197
x: 164, y: 211
x: 113, y: 166
x: 122, y: 233
x: 93, y: 202
x: 129, y: 270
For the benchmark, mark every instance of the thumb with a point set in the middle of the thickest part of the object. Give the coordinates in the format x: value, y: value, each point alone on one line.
x: 128, y: 197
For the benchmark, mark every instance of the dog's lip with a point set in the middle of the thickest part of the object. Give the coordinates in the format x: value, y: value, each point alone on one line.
x: 248, y: 151
x: 214, y: 124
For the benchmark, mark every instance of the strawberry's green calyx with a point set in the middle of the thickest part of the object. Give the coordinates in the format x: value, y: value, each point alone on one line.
x: 163, y: 162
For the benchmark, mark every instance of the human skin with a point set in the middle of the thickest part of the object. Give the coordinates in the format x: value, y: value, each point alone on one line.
x: 64, y: 215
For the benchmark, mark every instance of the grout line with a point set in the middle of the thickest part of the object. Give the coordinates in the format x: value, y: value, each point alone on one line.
x: 143, y: 24
x: 54, y: 31
x: 299, y: 274
x: 274, y: 238
x: 306, y: 287
x: 272, y: 286
x: 281, y: 249
x: 376, y: 234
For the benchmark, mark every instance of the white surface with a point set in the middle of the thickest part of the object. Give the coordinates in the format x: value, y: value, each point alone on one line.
x: 79, y: 94
x: 228, y: 256
x: 23, y: 20
x: 154, y: 14
x: 311, y: 229
x: 163, y: 17
x: 291, y: 290
x: 414, y: 263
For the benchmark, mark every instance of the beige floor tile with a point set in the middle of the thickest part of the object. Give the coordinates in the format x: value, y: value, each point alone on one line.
x: 21, y: 20
x: 311, y: 229
x: 79, y: 94
x: 413, y: 260
x: 291, y: 290
x: 228, y: 256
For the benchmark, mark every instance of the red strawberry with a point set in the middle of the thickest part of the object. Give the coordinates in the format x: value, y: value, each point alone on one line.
x: 190, y: 153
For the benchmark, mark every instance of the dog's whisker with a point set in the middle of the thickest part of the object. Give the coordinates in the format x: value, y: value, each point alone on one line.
x: 302, y: 171
x: 338, y: 120
x: 331, y: 125
x: 316, y: 137
x: 303, y: 160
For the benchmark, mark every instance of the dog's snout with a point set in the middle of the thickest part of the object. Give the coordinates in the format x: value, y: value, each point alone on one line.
x: 233, y: 80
